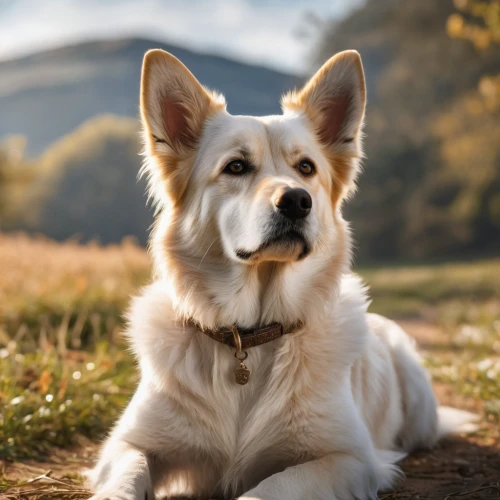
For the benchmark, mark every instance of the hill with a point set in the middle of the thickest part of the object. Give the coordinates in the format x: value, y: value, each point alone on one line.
x: 46, y: 95
x: 87, y: 185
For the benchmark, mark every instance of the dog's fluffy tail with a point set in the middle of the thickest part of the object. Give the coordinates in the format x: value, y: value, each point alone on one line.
x: 453, y: 421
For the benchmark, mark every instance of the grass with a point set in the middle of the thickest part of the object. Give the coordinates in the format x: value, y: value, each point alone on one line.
x: 44, y: 487
x: 48, y: 399
x: 85, y: 287
x: 471, y: 364
x: 65, y: 374
x: 430, y: 291
x: 463, y: 300
x: 64, y: 371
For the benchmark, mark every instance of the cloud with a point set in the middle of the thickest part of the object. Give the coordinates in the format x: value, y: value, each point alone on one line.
x: 257, y: 31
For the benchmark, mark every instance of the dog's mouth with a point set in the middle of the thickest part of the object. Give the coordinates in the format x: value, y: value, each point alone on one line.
x: 282, y: 246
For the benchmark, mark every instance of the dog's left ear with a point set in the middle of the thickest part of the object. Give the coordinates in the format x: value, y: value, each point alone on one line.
x: 334, y: 99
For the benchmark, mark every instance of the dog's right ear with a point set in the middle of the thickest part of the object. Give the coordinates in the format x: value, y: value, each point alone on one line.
x: 174, y: 107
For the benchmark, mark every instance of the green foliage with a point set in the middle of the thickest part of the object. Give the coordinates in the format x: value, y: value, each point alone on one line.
x: 477, y: 21
x: 15, y: 175
x: 431, y: 185
x: 87, y: 184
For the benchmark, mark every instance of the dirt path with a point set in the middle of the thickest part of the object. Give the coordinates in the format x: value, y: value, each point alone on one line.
x: 462, y: 468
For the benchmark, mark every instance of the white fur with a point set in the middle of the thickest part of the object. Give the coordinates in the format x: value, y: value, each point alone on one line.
x: 314, y: 398
x: 329, y: 408
x: 303, y: 403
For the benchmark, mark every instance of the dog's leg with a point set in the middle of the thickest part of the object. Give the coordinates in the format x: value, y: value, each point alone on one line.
x: 419, y: 405
x: 337, y: 476
x: 123, y: 471
x: 121, y: 474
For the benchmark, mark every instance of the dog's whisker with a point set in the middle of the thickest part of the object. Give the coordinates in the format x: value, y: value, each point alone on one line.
x: 205, y: 254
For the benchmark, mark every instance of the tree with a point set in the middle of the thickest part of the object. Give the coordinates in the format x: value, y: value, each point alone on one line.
x: 429, y: 187
x: 477, y: 21
x: 16, y: 175
x: 87, y: 184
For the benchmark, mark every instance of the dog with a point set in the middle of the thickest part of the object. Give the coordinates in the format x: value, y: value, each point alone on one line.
x: 263, y: 376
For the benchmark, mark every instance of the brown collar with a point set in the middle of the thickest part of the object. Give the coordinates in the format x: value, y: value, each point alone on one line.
x: 249, y: 337
x: 242, y: 339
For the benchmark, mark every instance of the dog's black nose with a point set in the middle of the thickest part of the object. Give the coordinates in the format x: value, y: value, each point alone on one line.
x: 294, y: 203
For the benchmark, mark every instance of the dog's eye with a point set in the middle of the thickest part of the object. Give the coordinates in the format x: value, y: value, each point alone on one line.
x: 236, y: 167
x: 306, y: 167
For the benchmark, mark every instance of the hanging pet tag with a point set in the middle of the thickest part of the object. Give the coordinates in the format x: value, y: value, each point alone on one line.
x: 242, y: 373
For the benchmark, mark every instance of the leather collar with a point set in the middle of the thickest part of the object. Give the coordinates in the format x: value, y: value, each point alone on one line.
x: 249, y: 337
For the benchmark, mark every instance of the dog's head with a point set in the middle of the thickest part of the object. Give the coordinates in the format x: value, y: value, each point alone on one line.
x: 245, y: 191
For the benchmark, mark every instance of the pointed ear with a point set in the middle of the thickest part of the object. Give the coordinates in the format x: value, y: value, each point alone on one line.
x: 174, y: 105
x: 334, y: 99
x: 174, y: 108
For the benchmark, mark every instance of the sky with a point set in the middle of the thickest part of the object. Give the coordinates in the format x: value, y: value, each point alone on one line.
x: 272, y: 33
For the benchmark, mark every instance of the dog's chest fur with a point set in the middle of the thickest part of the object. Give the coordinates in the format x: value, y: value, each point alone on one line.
x: 240, y: 434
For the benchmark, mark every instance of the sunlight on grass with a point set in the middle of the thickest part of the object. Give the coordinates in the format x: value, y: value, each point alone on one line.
x: 43, y: 282
x: 44, y: 487
x: 65, y: 373
x: 50, y: 399
x: 472, y: 364
x: 417, y: 290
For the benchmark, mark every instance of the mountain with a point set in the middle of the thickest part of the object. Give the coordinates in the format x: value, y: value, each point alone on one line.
x: 46, y: 95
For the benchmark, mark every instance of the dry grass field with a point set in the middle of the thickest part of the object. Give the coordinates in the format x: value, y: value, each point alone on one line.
x: 65, y: 374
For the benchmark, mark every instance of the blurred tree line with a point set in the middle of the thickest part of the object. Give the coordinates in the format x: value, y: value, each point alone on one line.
x: 84, y: 185
x: 17, y: 175
x: 431, y: 185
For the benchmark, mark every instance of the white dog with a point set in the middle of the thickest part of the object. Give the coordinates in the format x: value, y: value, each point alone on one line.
x: 252, y: 261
